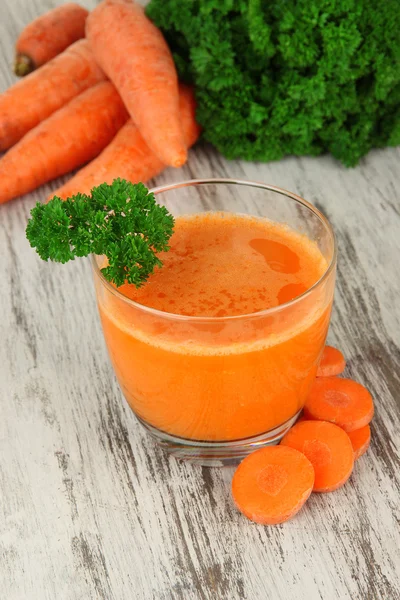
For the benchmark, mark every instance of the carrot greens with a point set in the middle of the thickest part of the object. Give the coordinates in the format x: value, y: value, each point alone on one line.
x: 121, y: 221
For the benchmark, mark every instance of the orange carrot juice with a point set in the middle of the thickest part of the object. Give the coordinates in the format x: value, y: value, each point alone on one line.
x: 188, y: 361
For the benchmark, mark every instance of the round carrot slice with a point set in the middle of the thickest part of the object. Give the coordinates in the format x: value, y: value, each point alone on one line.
x: 341, y: 401
x: 329, y: 450
x: 360, y: 439
x: 332, y: 362
x: 271, y: 485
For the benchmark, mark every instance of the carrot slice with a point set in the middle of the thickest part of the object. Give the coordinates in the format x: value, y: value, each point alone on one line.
x: 360, y: 440
x: 329, y: 450
x: 341, y: 401
x: 271, y: 485
x: 332, y: 362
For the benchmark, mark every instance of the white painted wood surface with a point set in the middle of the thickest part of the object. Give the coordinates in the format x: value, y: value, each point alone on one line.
x: 91, y: 509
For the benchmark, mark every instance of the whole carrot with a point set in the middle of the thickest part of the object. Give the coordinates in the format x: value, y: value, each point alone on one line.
x: 135, y: 56
x: 34, y: 98
x: 128, y: 156
x: 69, y: 138
x: 48, y: 35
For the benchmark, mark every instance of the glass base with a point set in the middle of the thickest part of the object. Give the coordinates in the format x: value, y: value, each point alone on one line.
x: 217, y: 454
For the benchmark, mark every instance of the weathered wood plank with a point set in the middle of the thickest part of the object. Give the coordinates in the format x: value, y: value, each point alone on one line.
x: 90, y: 509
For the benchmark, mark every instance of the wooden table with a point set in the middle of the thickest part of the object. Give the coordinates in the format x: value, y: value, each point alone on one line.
x: 91, y: 509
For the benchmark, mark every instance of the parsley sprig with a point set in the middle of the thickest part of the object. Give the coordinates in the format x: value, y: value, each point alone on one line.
x: 121, y: 221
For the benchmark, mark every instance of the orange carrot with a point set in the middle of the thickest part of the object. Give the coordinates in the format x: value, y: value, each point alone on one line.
x: 341, y: 401
x: 332, y: 362
x: 48, y: 35
x: 33, y: 99
x: 329, y: 450
x: 70, y: 137
x: 271, y: 485
x: 128, y: 155
x: 135, y: 56
x: 360, y: 440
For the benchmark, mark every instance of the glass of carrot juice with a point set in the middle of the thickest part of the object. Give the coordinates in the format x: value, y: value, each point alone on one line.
x: 216, y: 353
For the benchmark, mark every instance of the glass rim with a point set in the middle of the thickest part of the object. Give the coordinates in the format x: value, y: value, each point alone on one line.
x: 261, y: 313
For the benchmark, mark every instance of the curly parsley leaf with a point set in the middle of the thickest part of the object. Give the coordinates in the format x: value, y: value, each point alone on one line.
x: 282, y: 77
x: 121, y: 221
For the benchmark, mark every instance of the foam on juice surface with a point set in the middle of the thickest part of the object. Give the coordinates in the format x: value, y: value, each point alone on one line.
x: 222, y: 264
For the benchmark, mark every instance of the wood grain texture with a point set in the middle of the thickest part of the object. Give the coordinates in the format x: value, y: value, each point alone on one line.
x: 91, y: 509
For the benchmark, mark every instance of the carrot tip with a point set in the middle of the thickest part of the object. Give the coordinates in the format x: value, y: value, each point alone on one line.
x: 180, y: 160
x: 23, y: 65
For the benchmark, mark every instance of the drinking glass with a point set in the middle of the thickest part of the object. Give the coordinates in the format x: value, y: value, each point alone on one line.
x: 213, y: 389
